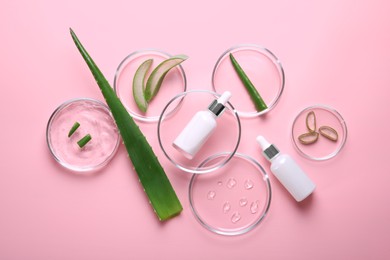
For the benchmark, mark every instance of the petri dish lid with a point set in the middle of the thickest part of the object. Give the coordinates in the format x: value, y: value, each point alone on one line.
x: 234, y: 199
x: 95, y: 119
x: 225, y: 138
x: 323, y: 148
x: 174, y: 82
x: 263, y: 69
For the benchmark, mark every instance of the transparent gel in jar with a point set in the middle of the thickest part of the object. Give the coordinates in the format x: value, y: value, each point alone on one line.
x: 232, y: 200
x: 95, y: 119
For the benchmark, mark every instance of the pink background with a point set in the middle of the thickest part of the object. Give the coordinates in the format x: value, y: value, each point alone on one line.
x: 333, y: 52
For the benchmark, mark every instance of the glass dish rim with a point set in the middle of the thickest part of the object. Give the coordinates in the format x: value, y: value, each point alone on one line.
x: 272, y: 57
x: 48, y: 139
x: 265, y: 210
x: 343, y: 125
x: 123, y: 63
x: 197, y: 170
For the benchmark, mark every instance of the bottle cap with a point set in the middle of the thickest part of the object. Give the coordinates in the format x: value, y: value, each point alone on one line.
x: 218, y: 105
x: 269, y: 150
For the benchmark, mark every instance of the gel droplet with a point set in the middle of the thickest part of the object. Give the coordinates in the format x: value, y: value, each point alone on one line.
x: 231, y: 183
x: 219, y: 183
x: 226, y: 207
x: 254, y: 207
x: 211, y: 195
x: 248, y: 184
x: 236, y: 217
x: 243, y: 202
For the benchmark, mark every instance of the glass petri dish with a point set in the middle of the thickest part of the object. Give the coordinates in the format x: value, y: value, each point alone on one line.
x: 95, y: 119
x: 324, y: 148
x: 225, y: 137
x: 264, y: 70
x: 174, y: 82
x: 232, y: 200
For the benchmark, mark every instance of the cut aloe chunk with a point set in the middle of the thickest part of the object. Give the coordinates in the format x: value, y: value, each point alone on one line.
x: 139, y: 85
x: 73, y: 129
x: 158, y: 74
x: 83, y: 141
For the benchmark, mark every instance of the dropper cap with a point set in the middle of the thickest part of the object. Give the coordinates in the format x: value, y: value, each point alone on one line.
x: 269, y: 150
x: 218, y: 105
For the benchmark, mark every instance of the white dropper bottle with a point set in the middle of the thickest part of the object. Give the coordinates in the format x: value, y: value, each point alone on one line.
x: 200, y: 127
x: 287, y: 171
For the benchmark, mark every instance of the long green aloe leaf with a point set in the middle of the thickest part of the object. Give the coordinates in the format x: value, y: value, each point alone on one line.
x: 156, y: 184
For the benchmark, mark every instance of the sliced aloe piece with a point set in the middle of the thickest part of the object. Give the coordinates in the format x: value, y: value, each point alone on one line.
x: 83, y: 141
x: 158, y: 74
x: 73, y: 129
x: 139, y: 85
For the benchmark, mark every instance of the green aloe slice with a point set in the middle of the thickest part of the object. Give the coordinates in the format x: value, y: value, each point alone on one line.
x: 73, y: 129
x: 83, y: 141
x: 139, y: 85
x: 158, y: 74
x: 156, y: 184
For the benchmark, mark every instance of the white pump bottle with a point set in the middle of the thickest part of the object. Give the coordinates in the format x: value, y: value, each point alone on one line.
x: 200, y: 127
x: 287, y: 171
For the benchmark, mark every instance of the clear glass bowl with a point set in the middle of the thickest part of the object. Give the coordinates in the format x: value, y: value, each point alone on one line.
x: 225, y: 138
x: 174, y: 82
x: 95, y: 119
x: 232, y: 200
x: 262, y: 67
x: 323, y: 148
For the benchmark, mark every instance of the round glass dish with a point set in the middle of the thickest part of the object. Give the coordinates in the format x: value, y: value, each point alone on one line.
x: 324, y: 148
x: 174, y: 82
x: 262, y: 67
x: 95, y: 119
x: 225, y: 137
x: 232, y: 200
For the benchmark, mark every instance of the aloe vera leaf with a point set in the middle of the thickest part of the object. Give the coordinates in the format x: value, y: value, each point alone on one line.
x: 156, y: 184
x: 139, y: 85
x: 73, y: 129
x: 254, y: 94
x: 83, y: 141
x: 158, y: 74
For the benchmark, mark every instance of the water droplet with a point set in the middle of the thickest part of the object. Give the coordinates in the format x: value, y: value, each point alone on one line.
x: 231, y: 183
x: 243, y: 201
x: 248, y: 184
x: 254, y: 207
x: 211, y: 195
x: 226, y: 207
x: 219, y: 183
x: 236, y: 217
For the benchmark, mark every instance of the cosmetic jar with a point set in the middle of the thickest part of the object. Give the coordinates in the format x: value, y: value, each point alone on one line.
x: 225, y: 137
x: 95, y: 119
x: 174, y: 82
x: 321, y: 116
x: 263, y: 69
x: 232, y: 200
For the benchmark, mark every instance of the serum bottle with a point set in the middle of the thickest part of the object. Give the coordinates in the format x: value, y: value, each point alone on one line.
x: 200, y: 127
x: 287, y: 171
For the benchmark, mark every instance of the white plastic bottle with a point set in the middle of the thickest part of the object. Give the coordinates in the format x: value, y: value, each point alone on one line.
x: 200, y: 127
x: 287, y: 171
